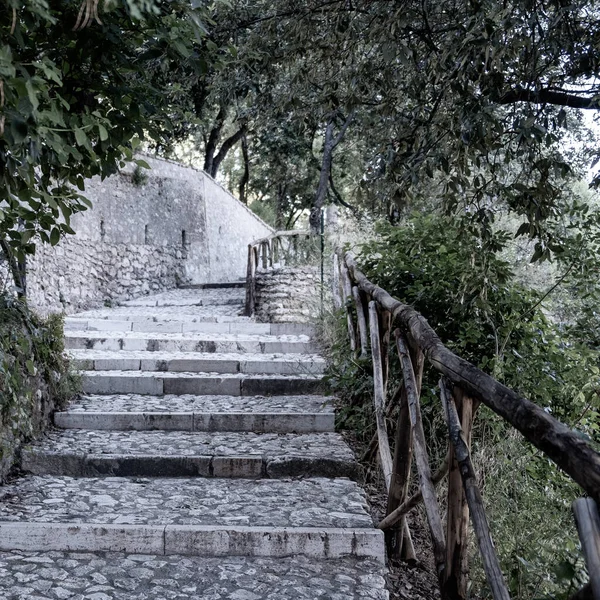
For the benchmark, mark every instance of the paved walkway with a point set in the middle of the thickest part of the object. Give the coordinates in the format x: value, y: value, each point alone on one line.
x: 200, y: 463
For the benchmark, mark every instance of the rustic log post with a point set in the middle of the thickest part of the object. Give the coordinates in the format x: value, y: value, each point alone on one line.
x: 422, y: 459
x: 256, y: 257
x: 457, y: 521
x: 385, y: 330
x: 400, y: 477
x: 249, y: 284
x: 362, y: 322
x: 587, y: 518
x: 491, y: 565
x: 335, y: 282
x: 401, y: 468
x: 385, y: 454
x: 347, y: 294
x: 264, y: 251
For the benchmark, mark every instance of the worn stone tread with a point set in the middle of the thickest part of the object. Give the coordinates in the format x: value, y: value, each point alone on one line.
x: 84, y: 453
x: 202, y: 404
x: 311, y: 502
x: 281, y: 414
x: 188, y: 342
x: 116, y: 576
x: 158, y: 383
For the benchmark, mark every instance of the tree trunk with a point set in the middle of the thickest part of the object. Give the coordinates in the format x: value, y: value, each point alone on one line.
x: 328, y: 147
x: 213, y: 140
x: 246, y: 175
x: 226, y: 146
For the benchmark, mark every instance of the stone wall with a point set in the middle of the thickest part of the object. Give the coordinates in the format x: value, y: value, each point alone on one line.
x: 149, y: 230
x: 288, y: 294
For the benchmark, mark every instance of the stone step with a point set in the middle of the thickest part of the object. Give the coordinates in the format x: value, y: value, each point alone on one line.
x: 181, y: 323
x: 197, y: 362
x: 155, y: 383
x: 88, y: 453
x: 325, y: 518
x: 192, y: 297
x: 189, y: 342
x: 119, y: 576
x: 260, y: 414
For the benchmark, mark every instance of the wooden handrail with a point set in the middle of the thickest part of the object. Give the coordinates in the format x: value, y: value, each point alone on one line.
x: 463, y: 387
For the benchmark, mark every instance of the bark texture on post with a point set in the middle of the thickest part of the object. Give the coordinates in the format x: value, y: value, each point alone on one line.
x: 385, y: 454
x: 491, y: 564
x: 587, y: 517
x: 457, y: 521
x: 432, y: 508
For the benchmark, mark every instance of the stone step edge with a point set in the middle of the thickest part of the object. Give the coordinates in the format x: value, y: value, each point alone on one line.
x: 157, y: 383
x: 193, y: 540
x: 284, y: 366
x: 282, y: 422
x: 166, y: 325
x: 244, y: 466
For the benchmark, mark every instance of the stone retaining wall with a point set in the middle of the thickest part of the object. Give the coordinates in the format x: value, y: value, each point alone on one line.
x: 148, y: 230
x: 288, y: 294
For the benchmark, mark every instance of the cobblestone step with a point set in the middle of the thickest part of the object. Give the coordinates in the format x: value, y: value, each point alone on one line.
x: 260, y: 414
x: 192, y: 297
x: 310, y: 502
x: 117, y: 576
x: 158, y: 383
x: 88, y: 453
x: 198, y: 362
x: 181, y: 323
x: 188, y: 342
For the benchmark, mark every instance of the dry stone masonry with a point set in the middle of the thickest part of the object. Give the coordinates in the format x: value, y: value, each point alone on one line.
x: 148, y: 231
x: 288, y: 294
x: 200, y: 462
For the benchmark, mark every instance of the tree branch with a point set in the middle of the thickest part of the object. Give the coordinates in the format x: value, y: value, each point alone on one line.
x: 560, y: 98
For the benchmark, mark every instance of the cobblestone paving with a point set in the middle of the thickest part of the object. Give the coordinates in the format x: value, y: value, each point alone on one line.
x: 209, y: 337
x: 176, y: 313
x: 185, y: 443
x: 192, y: 297
x: 315, y: 502
x: 114, y: 576
x: 203, y: 404
x: 299, y: 359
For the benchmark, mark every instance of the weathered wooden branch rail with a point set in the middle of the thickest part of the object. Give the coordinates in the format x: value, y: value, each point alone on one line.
x: 278, y: 249
x: 371, y: 315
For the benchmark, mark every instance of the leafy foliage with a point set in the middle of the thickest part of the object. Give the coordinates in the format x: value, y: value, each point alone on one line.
x: 74, y: 103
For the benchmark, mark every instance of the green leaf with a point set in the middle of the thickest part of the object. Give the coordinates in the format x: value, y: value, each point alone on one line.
x: 55, y: 236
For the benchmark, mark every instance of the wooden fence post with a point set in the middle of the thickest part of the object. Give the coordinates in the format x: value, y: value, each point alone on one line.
x: 249, y: 283
x: 335, y: 282
x: 587, y: 517
x: 457, y: 521
x: 385, y: 330
x: 422, y: 460
x: 385, y: 454
x: 362, y: 322
x: 491, y: 565
x: 347, y: 294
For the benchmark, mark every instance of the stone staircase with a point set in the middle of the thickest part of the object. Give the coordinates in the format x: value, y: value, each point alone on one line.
x: 201, y: 462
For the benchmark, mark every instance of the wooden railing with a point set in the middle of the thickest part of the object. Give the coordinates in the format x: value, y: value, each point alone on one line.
x: 373, y: 315
x: 279, y: 249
